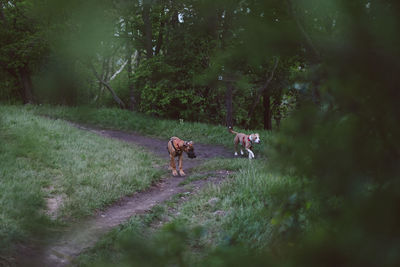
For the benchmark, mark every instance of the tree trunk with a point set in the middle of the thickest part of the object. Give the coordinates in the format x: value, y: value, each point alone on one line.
x: 160, y: 38
x: 26, y: 85
x: 118, y: 71
x: 2, y: 16
x: 226, y: 36
x: 170, y: 24
x: 131, y: 86
x: 107, y: 68
x: 277, y: 107
x: 116, y: 98
x: 267, y: 111
x: 148, y: 33
x: 102, y: 78
x: 228, y: 103
x: 261, y: 90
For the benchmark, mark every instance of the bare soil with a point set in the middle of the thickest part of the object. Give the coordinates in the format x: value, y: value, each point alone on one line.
x: 66, y: 245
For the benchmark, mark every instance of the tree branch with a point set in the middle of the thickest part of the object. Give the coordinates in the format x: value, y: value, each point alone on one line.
x: 2, y: 16
x: 303, y: 31
x: 116, y: 98
x: 118, y: 71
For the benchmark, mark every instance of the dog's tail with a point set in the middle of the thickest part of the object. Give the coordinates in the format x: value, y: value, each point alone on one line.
x: 230, y: 129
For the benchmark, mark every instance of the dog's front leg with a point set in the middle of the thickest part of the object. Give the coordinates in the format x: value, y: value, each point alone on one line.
x: 181, y: 172
x: 172, y: 165
x: 251, y: 154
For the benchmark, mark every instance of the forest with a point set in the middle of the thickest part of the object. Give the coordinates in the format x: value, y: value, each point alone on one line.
x: 318, y: 80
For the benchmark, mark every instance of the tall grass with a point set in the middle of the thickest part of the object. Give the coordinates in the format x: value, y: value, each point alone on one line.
x: 43, y: 159
x: 251, y: 208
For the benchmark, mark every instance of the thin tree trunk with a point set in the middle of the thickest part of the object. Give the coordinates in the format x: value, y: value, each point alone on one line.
x: 228, y: 103
x: 160, y: 38
x: 26, y: 85
x: 226, y: 36
x: 130, y: 78
x: 101, y: 86
x: 174, y: 18
x: 276, y: 106
x: 262, y: 89
x: 214, y: 24
x: 107, y: 68
x: 148, y: 33
x: 111, y: 78
x: 2, y: 16
x: 116, y: 98
x: 119, y: 70
x: 172, y: 22
x: 267, y: 111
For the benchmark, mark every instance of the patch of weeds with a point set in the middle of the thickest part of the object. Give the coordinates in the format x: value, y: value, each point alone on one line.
x: 195, y: 177
x: 155, y: 214
x: 221, y: 164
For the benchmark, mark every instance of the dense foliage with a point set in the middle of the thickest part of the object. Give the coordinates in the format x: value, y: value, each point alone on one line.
x: 193, y: 60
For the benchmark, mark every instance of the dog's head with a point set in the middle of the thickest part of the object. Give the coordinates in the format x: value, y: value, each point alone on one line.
x: 189, y: 149
x: 255, y: 138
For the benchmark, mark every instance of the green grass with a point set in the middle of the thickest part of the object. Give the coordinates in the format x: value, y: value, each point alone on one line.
x: 217, y: 164
x: 230, y: 164
x: 250, y: 202
x: 133, y: 121
x: 251, y: 208
x: 44, y: 159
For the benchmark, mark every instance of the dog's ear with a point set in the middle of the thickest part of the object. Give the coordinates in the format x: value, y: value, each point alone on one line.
x: 185, y: 144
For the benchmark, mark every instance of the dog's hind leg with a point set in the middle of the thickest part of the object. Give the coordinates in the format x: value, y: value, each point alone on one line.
x: 181, y: 172
x: 172, y: 166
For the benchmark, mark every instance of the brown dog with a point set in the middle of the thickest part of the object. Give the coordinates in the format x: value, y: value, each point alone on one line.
x: 176, y: 147
x: 246, y: 141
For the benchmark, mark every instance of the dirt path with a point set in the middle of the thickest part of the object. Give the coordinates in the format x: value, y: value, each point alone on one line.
x: 72, y: 241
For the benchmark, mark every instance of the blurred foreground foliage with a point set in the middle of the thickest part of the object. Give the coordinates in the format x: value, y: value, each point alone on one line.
x: 339, y: 91
x: 342, y: 139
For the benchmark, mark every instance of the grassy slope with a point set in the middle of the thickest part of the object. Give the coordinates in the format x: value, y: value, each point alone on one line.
x: 42, y: 158
x: 126, y: 120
